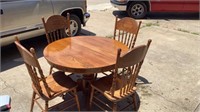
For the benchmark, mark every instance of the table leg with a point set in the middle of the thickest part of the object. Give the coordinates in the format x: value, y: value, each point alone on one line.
x: 87, y: 79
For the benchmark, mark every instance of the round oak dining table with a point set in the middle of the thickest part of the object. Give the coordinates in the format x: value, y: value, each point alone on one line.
x: 83, y: 54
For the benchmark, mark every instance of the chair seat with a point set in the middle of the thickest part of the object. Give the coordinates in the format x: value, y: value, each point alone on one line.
x: 58, y: 83
x: 99, y: 85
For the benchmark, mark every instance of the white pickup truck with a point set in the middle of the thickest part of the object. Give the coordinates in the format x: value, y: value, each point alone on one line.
x: 23, y: 17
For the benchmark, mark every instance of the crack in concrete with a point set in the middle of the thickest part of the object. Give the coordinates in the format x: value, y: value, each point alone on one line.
x: 185, y: 108
x: 8, y: 86
x: 4, y: 83
x: 197, y: 108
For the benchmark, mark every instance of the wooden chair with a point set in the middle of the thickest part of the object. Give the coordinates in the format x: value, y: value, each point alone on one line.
x: 121, y: 84
x: 55, y: 28
x: 126, y: 31
x: 49, y: 87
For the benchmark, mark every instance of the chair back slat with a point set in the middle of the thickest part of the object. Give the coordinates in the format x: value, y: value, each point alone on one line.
x: 126, y: 26
x: 131, y: 81
x: 57, y: 27
x: 127, y: 68
x: 34, y: 78
x: 126, y: 38
x: 33, y: 67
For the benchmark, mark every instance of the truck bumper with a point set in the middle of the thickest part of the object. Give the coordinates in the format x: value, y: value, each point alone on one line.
x: 120, y: 6
x: 86, y: 18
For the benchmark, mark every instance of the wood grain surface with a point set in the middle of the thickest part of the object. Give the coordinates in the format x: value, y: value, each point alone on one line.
x: 83, y: 54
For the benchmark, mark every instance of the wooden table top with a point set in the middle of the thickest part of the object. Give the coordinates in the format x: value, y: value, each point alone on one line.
x: 83, y: 54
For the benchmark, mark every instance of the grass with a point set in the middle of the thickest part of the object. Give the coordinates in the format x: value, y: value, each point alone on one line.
x: 109, y: 36
x: 151, y: 24
x: 195, y: 33
x: 186, y: 31
x: 179, y: 29
x: 182, y: 30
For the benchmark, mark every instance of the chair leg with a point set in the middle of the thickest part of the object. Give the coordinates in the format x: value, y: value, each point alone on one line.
x: 51, y: 69
x: 134, y: 102
x: 114, y: 107
x: 46, y: 106
x: 91, y: 98
x: 76, y: 98
x: 84, y: 86
x: 32, y: 102
x: 95, y: 76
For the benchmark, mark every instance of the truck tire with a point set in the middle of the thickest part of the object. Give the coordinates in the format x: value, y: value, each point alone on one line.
x: 75, y: 25
x: 137, y: 10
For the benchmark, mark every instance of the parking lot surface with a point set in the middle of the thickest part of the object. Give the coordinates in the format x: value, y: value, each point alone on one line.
x: 170, y: 78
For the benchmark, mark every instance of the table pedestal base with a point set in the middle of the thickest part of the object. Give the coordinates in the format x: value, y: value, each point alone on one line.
x: 84, y: 86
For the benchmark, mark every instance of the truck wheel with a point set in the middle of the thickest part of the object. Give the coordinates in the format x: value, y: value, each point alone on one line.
x: 137, y: 10
x: 75, y: 25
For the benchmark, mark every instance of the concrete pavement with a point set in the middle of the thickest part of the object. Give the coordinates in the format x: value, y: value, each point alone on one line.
x: 171, y: 68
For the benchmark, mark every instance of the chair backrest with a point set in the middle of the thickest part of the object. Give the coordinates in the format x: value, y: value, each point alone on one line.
x: 126, y: 31
x: 33, y: 67
x: 127, y: 68
x: 56, y: 27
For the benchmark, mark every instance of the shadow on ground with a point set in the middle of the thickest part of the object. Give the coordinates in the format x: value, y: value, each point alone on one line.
x: 83, y: 103
x: 142, y: 80
x: 166, y: 16
x: 10, y: 56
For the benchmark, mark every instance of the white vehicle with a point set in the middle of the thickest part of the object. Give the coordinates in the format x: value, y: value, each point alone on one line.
x: 23, y: 17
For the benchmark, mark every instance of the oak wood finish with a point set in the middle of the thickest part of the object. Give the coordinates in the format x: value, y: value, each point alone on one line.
x: 46, y: 87
x: 55, y: 28
x: 126, y: 31
x: 83, y: 54
x: 121, y: 84
x: 86, y: 55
